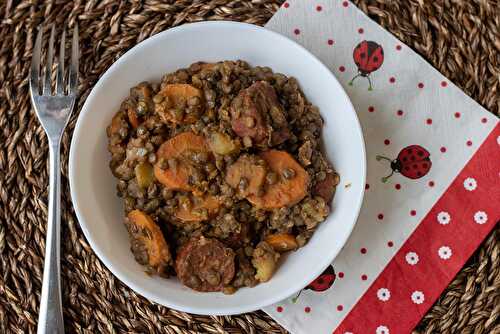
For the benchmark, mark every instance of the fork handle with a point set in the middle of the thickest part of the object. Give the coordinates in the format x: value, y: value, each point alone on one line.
x: 50, y: 318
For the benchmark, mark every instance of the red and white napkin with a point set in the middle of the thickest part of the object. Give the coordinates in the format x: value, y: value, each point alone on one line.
x: 417, y: 229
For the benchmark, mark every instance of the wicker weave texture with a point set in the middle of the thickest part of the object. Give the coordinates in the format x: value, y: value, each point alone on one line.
x: 460, y: 38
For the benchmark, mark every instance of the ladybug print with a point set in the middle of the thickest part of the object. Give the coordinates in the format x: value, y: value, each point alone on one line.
x: 413, y: 162
x: 322, y: 283
x: 368, y: 56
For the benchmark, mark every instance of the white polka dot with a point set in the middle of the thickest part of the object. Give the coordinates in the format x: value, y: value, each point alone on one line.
x: 383, y: 294
x: 498, y: 140
x: 444, y: 252
x: 470, y: 184
x: 417, y: 297
x: 347, y: 332
x: 480, y: 217
x: 382, y: 330
x: 443, y: 218
x: 411, y: 258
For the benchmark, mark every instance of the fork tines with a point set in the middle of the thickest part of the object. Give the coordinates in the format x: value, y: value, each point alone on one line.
x: 35, y: 78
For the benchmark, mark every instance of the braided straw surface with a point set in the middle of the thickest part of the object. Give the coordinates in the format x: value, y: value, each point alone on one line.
x: 460, y: 38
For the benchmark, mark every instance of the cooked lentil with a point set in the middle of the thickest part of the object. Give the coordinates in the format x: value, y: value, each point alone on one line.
x: 238, y: 110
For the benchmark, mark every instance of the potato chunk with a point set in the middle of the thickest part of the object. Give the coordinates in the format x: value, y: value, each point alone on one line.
x: 264, y: 259
x: 221, y: 144
x: 144, y: 174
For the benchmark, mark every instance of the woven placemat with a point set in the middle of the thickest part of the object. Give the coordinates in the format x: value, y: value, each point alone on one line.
x: 460, y: 38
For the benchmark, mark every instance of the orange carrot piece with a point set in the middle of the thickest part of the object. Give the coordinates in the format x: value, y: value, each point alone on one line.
x: 132, y: 117
x: 177, y: 177
x: 152, y: 238
x: 282, y: 242
x: 285, y: 192
x: 245, y: 167
x: 179, y: 94
x: 194, y: 214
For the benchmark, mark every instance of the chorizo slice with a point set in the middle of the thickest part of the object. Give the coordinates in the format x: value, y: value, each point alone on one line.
x: 205, y: 264
x: 326, y: 188
x: 255, y: 112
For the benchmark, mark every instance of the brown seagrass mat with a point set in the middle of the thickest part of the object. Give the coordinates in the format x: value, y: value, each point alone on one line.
x: 460, y: 38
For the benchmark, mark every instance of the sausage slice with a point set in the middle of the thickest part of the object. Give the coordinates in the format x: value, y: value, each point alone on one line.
x: 205, y: 264
x: 326, y: 188
x: 257, y: 114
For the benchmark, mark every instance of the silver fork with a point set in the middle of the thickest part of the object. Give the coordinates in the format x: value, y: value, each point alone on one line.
x: 53, y: 111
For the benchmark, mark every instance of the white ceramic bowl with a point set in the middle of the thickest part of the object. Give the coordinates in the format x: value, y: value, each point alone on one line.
x: 100, y: 211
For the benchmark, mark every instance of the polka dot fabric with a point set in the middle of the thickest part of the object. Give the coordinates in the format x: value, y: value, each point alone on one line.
x: 430, y: 150
x: 442, y: 250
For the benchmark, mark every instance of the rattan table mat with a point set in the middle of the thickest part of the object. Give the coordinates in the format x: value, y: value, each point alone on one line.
x: 460, y: 38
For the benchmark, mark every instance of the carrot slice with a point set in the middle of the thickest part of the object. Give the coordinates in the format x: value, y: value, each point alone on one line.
x: 246, y: 167
x: 197, y: 213
x: 179, y: 94
x: 132, y: 117
x: 282, y: 242
x: 116, y: 123
x: 177, y: 177
x: 286, y: 192
x: 141, y: 92
x: 148, y: 244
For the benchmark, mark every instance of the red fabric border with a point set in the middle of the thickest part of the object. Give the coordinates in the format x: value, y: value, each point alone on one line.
x: 444, y: 240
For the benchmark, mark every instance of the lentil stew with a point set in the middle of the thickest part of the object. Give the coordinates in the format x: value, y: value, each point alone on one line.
x: 220, y: 170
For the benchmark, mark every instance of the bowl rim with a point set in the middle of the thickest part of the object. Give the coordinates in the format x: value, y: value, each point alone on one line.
x: 323, y: 262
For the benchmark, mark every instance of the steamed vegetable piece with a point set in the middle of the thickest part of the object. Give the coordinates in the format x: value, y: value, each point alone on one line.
x: 220, y: 143
x: 282, y: 242
x: 176, y: 98
x: 264, y: 259
x: 173, y: 168
x: 144, y: 174
x: 291, y: 186
x: 246, y: 175
x: 148, y: 244
x: 198, y: 208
